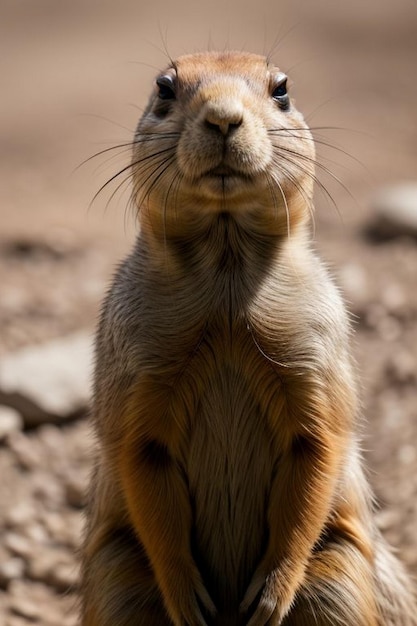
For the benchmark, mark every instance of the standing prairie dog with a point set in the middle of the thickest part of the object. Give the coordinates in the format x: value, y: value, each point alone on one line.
x: 228, y: 487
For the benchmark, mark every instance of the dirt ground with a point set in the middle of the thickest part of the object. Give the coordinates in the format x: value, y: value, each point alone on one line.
x: 74, y: 78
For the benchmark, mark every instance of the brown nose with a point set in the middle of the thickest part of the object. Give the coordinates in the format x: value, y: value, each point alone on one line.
x: 223, y: 116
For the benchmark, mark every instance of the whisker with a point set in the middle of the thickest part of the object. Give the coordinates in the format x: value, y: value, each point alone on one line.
x: 287, y: 212
x: 317, y: 163
x: 272, y: 192
x: 125, y: 169
x: 119, y: 186
x: 312, y: 176
x: 163, y: 163
x: 262, y: 352
x: 322, y: 142
x: 308, y: 201
x: 106, y: 119
x: 129, y: 144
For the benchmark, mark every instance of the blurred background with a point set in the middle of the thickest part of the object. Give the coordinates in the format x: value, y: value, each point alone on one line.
x: 74, y: 79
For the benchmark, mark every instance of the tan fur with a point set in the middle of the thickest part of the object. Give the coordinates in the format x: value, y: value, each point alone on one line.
x: 228, y: 488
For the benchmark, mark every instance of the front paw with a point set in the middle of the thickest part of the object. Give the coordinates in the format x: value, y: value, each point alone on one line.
x: 186, y: 599
x: 275, y: 601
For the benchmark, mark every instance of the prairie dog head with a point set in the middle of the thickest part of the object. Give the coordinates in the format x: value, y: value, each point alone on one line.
x: 220, y: 134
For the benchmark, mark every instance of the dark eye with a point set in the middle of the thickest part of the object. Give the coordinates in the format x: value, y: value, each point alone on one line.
x: 279, y: 92
x: 166, y: 87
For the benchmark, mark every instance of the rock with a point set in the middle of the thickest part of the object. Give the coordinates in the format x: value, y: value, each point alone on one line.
x: 47, y: 489
x: 401, y: 367
x: 396, y: 210
x: 55, y: 568
x: 50, y: 382
x: 394, y: 299
x: 33, y: 601
x: 64, y: 576
x: 64, y: 529
x: 25, y: 607
x: 18, y: 545
x: 76, y: 488
x: 27, y: 451
x: 11, y: 570
x: 10, y: 421
x: 20, y: 515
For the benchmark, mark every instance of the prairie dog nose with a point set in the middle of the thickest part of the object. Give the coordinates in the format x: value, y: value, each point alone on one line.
x: 223, y: 116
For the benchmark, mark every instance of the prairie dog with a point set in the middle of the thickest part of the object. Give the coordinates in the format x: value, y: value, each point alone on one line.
x: 228, y: 487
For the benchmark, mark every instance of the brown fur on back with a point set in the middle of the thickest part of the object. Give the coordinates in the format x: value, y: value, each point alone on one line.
x: 228, y: 485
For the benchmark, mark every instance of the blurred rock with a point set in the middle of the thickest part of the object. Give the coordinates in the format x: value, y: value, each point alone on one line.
x: 20, y: 515
x: 25, y: 607
x: 76, y: 488
x: 10, y: 421
x: 11, y: 569
x: 396, y: 211
x: 394, y: 299
x: 387, y: 326
x: 50, y: 382
x: 28, y: 452
x: 65, y: 576
x: 33, y: 601
x: 47, y: 489
x: 54, y: 567
x: 64, y: 528
x: 18, y: 545
x: 401, y: 367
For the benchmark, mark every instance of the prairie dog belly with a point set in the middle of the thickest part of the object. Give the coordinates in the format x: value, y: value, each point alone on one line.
x: 230, y: 461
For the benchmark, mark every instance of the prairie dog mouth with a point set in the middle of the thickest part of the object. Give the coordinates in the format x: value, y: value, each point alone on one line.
x: 225, y: 170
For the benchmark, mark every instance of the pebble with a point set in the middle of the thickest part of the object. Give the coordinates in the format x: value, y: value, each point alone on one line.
x: 64, y: 528
x: 396, y: 210
x: 10, y: 570
x: 64, y: 576
x: 33, y: 601
x: 50, y: 382
x: 47, y: 489
x: 387, y: 326
x: 394, y: 299
x: 10, y: 421
x: 21, y: 514
x: 401, y: 367
x: 76, y: 489
x: 27, y: 450
x: 18, y: 545
x: 53, y: 567
x: 25, y: 607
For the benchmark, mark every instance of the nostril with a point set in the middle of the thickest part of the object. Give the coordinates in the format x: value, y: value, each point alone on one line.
x: 212, y: 125
x: 233, y: 126
x: 223, y: 126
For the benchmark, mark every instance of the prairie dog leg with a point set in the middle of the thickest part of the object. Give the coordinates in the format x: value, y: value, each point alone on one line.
x: 298, y: 507
x: 158, y: 502
x: 338, y: 590
x: 120, y: 588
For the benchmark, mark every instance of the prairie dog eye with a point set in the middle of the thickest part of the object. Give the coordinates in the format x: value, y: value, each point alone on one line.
x: 166, y: 87
x: 279, y: 91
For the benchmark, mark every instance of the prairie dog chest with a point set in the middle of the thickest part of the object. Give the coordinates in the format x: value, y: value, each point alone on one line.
x: 230, y: 457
